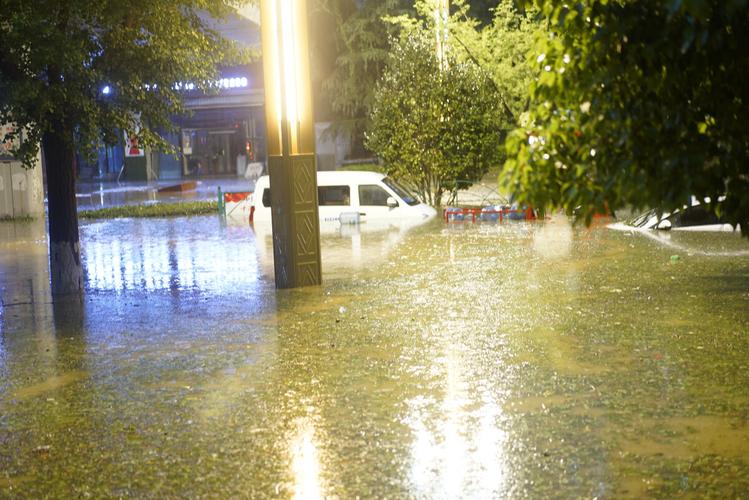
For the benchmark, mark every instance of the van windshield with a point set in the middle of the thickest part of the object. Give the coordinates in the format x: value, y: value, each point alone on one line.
x: 401, y: 191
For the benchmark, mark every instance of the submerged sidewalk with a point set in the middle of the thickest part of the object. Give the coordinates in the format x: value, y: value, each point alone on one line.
x: 102, y: 194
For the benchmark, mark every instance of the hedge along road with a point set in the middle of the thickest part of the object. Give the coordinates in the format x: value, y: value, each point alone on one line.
x: 449, y: 360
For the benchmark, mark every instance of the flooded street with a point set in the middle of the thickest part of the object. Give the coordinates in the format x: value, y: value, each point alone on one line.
x: 444, y: 361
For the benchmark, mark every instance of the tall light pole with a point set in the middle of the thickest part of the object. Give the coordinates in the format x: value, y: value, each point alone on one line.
x: 291, y: 143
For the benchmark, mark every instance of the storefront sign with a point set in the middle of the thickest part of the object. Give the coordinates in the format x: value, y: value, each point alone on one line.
x: 132, y: 148
x: 223, y: 84
x: 9, y: 147
x: 232, y: 83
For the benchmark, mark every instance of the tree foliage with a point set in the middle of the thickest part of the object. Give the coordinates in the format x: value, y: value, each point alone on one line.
x: 57, y: 60
x: 58, y: 57
x: 502, y: 49
x: 360, y: 39
x: 639, y: 102
x: 483, y: 10
x: 499, y: 47
x: 433, y: 126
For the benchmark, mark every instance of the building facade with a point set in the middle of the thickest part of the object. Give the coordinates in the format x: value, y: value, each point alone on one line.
x: 219, y: 136
x: 222, y: 133
x: 21, y: 189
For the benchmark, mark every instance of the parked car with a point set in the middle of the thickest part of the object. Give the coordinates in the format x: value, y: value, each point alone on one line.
x: 350, y: 197
x: 694, y: 217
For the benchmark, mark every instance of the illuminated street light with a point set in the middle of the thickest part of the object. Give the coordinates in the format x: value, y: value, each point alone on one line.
x: 291, y: 143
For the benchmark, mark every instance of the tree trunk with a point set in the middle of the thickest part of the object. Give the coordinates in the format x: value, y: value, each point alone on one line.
x: 64, y: 246
x: 438, y: 198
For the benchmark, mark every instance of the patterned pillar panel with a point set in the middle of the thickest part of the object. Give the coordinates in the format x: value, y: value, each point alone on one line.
x: 306, y: 220
x: 296, y: 226
x: 279, y: 192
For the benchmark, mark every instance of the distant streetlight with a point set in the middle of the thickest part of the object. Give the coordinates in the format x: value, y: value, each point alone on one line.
x: 291, y: 143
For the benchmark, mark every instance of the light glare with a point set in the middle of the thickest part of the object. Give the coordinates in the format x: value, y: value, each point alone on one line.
x: 288, y: 44
x: 286, y: 68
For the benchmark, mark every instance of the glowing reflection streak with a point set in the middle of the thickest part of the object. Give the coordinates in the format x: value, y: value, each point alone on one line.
x: 553, y: 240
x: 151, y: 262
x: 491, y: 440
x: 118, y: 271
x: 455, y: 449
x: 305, y: 462
x: 147, y: 262
x: 423, y: 451
x: 184, y: 263
x: 464, y: 452
x: 130, y: 266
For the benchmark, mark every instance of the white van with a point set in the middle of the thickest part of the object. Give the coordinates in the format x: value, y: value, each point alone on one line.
x: 351, y: 197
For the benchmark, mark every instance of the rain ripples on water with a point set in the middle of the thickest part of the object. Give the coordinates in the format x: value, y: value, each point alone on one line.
x: 448, y: 360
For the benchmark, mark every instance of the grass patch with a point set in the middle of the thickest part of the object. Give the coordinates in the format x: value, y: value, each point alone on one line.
x: 153, y: 210
x: 20, y: 218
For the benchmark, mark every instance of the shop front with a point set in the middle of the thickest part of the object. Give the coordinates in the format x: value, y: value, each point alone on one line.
x: 219, y: 142
x: 222, y: 132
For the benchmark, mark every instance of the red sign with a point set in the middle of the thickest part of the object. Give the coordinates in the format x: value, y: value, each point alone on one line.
x: 8, y: 147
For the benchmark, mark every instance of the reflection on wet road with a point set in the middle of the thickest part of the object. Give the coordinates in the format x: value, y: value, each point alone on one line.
x: 169, y: 254
x: 441, y: 361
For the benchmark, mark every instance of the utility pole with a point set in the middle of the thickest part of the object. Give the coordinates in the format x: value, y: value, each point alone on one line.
x: 291, y: 144
x: 441, y: 16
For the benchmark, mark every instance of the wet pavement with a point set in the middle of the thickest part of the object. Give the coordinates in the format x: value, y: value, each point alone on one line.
x: 444, y: 361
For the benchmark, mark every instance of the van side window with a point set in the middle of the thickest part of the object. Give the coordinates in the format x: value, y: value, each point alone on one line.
x: 333, y: 195
x: 373, y: 195
x: 266, y: 197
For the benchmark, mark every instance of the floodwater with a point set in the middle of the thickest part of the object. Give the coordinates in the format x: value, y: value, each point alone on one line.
x: 444, y: 361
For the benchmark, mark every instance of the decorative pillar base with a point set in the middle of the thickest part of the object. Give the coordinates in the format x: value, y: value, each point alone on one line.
x: 296, y: 220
